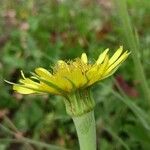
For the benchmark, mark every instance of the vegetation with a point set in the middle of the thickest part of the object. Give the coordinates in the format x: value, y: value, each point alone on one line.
x: 38, y: 33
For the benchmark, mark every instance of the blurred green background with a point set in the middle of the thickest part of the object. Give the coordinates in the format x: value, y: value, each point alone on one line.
x: 37, y: 33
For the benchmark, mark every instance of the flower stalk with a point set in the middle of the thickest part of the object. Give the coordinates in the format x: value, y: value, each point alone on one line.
x: 86, y: 131
x: 80, y: 106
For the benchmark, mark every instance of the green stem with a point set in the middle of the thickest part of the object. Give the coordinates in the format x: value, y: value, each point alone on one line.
x: 86, y: 131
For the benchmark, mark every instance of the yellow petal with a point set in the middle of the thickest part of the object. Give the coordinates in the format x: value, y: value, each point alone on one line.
x: 116, y: 55
x: 92, y: 72
x: 84, y: 58
x: 97, y: 71
x: 103, y: 66
x: 28, y: 82
x: 77, y: 77
x: 23, y: 90
x: 102, y: 57
x: 43, y: 73
x: 47, y: 89
x: 107, y: 74
x: 63, y: 83
x: 118, y: 62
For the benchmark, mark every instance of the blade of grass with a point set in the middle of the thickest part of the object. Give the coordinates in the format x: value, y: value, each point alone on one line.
x: 141, y: 115
x: 10, y: 124
x: 133, y: 45
x: 27, y: 140
x: 138, y: 111
x: 116, y: 137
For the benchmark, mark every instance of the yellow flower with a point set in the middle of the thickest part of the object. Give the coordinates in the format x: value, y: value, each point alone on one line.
x: 72, y: 80
x: 68, y: 77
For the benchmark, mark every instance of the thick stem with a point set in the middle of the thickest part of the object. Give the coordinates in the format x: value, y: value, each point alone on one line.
x: 86, y: 131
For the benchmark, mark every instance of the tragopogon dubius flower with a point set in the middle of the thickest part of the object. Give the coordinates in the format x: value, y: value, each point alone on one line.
x: 72, y: 79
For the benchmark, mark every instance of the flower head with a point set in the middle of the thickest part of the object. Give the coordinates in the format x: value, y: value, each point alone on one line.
x: 69, y: 77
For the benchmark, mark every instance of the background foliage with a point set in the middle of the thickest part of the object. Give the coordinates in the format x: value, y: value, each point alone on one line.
x: 37, y: 33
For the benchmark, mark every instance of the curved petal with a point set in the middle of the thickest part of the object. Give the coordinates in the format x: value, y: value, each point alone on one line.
x: 98, y: 71
x: 118, y: 62
x: 102, y: 57
x: 116, y: 55
x: 43, y: 72
x: 23, y: 90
